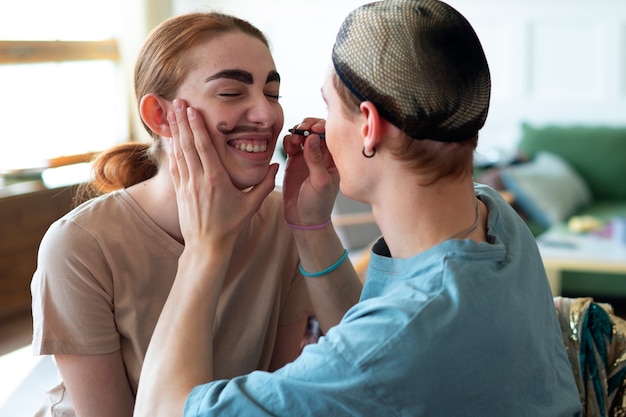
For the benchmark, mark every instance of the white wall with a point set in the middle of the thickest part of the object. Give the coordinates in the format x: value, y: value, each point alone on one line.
x: 301, y: 34
x: 552, y: 61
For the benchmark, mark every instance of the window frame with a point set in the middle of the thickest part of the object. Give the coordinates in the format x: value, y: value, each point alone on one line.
x: 30, y: 52
x: 14, y: 52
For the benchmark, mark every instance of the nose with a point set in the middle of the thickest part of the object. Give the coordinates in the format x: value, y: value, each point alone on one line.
x: 263, y: 111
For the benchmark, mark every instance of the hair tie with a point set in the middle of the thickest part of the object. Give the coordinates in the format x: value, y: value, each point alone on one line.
x: 327, y: 270
x: 311, y: 227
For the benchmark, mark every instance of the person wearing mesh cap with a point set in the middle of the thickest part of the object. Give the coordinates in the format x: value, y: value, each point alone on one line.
x: 456, y: 316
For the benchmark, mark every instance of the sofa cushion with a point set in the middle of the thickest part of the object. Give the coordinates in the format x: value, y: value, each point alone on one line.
x: 547, y: 189
x: 598, y: 154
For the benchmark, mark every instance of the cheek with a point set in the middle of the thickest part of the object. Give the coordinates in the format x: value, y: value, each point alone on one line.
x: 331, y: 139
x: 337, y: 137
x: 218, y: 119
x: 280, y: 120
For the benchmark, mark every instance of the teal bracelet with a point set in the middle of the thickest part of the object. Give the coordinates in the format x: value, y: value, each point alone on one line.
x: 327, y: 270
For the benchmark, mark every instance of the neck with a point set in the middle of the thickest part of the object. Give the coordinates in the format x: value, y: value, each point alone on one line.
x: 156, y: 196
x: 413, y: 222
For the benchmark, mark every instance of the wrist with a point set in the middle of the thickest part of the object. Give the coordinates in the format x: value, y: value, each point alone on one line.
x: 326, y: 270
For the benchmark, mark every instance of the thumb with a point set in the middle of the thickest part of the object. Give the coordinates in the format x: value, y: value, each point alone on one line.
x: 260, y: 191
x: 313, y: 153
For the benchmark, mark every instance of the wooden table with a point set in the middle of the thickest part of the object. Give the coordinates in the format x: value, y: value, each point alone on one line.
x: 561, y: 250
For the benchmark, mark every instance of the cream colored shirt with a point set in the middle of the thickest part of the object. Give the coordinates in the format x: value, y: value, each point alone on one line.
x: 105, y: 270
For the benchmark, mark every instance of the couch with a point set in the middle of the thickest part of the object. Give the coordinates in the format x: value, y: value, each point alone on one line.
x: 566, y: 173
x: 596, y: 154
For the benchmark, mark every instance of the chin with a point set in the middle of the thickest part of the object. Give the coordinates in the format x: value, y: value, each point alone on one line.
x: 244, y: 181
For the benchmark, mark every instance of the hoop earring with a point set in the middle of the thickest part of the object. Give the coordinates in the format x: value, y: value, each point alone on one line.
x: 368, y: 155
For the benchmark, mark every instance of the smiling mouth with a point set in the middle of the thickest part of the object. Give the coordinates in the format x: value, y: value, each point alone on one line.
x: 251, y: 147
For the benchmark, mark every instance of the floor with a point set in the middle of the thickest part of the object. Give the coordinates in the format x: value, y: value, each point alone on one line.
x: 23, y: 377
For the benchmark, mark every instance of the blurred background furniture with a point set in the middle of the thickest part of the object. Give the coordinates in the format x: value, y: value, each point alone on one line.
x: 563, y: 174
x: 26, y: 211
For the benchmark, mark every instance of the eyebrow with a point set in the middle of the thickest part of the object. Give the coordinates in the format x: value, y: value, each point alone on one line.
x: 243, y: 76
x: 272, y: 76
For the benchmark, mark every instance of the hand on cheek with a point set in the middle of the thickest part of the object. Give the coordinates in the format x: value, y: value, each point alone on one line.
x: 212, y: 211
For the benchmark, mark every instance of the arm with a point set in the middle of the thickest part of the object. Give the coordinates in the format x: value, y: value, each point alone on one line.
x: 309, y: 189
x: 97, y: 384
x: 334, y: 293
x: 72, y: 304
x: 211, y: 213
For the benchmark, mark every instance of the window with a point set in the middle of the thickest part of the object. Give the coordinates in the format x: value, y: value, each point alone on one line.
x: 63, y: 88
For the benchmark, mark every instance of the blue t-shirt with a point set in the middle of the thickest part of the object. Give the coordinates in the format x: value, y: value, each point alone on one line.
x: 462, y: 329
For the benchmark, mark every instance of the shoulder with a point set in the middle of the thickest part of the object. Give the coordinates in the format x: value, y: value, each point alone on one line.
x: 82, y: 228
x: 503, y: 220
x: 92, y: 211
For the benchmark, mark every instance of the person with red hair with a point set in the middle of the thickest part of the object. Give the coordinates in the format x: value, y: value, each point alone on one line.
x: 106, y: 268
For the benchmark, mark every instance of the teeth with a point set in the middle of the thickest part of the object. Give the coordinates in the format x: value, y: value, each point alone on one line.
x: 251, y: 148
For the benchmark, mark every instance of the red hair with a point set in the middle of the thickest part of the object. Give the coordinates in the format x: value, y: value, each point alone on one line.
x: 161, y: 66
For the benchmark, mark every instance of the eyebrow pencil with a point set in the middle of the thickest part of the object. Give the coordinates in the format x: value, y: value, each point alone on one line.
x: 306, y: 133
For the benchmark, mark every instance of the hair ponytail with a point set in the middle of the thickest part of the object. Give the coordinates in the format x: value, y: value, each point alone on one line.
x: 119, y: 167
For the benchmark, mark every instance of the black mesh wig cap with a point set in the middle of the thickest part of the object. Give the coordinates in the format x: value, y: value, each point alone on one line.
x: 420, y: 63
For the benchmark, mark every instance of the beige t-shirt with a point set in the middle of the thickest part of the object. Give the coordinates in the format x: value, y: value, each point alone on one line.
x: 105, y: 270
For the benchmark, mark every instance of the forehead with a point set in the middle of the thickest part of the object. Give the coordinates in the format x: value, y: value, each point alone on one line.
x: 233, y: 50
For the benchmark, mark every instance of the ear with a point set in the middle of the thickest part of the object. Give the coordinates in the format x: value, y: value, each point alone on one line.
x: 153, y: 110
x: 371, y: 130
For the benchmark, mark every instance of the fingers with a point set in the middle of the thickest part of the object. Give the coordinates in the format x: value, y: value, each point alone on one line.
x: 313, y: 151
x: 176, y: 156
x: 193, y: 149
x: 293, y: 143
x: 319, y: 126
x: 188, y: 156
x: 260, y: 191
x: 202, y: 150
x: 313, y: 124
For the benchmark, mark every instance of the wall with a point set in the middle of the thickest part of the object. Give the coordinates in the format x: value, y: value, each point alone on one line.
x: 552, y: 61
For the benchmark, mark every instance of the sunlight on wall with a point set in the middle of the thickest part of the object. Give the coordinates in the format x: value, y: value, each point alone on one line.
x: 44, y: 117
x: 55, y: 109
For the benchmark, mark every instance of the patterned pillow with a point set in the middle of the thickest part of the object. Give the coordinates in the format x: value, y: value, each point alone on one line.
x: 547, y: 189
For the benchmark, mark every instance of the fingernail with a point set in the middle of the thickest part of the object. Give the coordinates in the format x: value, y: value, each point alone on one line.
x: 178, y: 105
x: 191, y: 114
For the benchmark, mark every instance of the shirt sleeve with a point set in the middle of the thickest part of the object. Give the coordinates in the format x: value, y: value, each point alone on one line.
x: 72, y: 294
x: 329, y: 378
x: 321, y: 384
